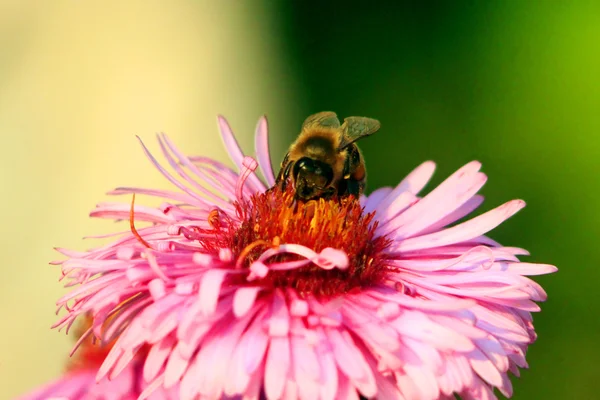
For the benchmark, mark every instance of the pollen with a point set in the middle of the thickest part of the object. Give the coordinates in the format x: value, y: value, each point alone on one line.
x: 273, y: 218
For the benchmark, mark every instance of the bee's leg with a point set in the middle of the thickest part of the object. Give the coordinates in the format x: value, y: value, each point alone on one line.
x: 354, y: 188
x: 283, y: 175
x: 286, y: 175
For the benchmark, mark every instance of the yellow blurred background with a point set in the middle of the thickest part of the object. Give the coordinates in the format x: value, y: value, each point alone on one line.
x: 78, y: 81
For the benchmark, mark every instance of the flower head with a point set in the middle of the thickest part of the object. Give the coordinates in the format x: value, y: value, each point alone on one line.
x: 236, y: 290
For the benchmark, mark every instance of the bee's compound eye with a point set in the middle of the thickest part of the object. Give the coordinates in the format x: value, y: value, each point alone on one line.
x: 318, y: 172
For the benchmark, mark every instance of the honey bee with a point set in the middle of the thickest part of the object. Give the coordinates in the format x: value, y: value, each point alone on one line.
x: 324, y: 160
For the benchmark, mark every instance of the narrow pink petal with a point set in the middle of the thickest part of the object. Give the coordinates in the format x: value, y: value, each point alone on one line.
x: 165, y: 194
x: 261, y: 148
x: 417, y: 326
x: 121, y: 211
x: 460, y: 326
x: 443, y: 200
x: 279, y: 322
x: 435, y: 204
x: 493, y: 350
x: 290, y: 391
x: 506, y: 388
x: 236, y: 154
x: 231, y: 144
x: 123, y: 363
x: 215, y: 356
x: 465, y: 231
x: 478, y: 391
x: 428, y: 355
x: 346, y: 351
x: 423, y: 304
x: 345, y: 354
x: 152, y: 391
x: 307, y: 370
x: 467, y: 208
x: 464, y: 371
x: 248, y: 356
x: 485, y: 368
x: 243, y: 300
x: 418, y: 178
x: 388, y: 218
x: 424, y: 381
x: 194, y: 324
x: 254, y: 389
x: 364, y: 323
x: 412, y: 184
x: 329, y: 380
x: 177, y: 364
x: 116, y: 388
x: 277, y: 367
x: 109, y: 362
x: 167, y: 145
x: 189, y: 387
x: 408, y: 386
x: 72, y: 385
x: 330, y: 258
x: 346, y: 390
x: 254, y: 344
x: 169, y: 177
x: 387, y: 388
x: 375, y: 198
x: 156, y: 358
x: 210, y: 287
x: 524, y: 268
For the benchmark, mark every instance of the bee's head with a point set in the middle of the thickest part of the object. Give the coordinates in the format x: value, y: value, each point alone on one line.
x: 311, y: 177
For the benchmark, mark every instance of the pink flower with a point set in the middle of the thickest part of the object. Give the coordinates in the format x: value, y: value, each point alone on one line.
x: 235, y: 291
x: 79, y: 381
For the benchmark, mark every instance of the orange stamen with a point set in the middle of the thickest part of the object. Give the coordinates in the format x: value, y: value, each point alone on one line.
x: 248, y: 249
x: 132, y: 225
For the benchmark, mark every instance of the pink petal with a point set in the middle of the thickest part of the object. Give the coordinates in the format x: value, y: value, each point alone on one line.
x: 419, y: 327
x: 277, y: 367
x: 243, y: 300
x: 279, y: 322
x: 485, y: 368
x: 307, y: 370
x: 167, y: 175
x: 177, y: 364
x: 329, y: 385
x: 261, y: 148
x: 248, y: 356
x: 330, y: 258
x: 375, y: 198
x: 210, y: 288
x: 346, y: 390
x: 465, y: 231
x: 236, y: 154
x: 443, y: 200
x: 156, y: 358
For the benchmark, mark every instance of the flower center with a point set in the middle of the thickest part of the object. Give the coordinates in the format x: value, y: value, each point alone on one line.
x: 274, y: 218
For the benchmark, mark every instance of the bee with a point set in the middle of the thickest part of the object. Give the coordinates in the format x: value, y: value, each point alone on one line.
x: 324, y: 160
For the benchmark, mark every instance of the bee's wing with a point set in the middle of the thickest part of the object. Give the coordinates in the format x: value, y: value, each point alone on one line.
x: 355, y: 128
x: 327, y: 119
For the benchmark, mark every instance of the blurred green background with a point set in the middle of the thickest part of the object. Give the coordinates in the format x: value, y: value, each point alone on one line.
x: 514, y: 84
